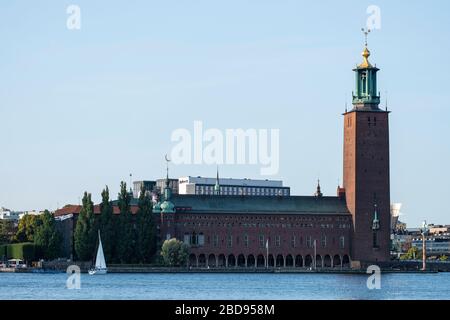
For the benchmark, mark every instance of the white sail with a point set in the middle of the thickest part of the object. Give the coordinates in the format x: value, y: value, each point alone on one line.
x: 100, y: 262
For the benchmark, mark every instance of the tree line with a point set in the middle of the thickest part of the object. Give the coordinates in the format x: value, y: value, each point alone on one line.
x: 126, y: 237
x: 37, y: 229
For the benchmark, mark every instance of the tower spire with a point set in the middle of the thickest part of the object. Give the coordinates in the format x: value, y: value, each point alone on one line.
x: 167, y: 170
x: 318, y: 192
x: 167, y: 190
x: 366, y: 96
x: 217, y: 185
x: 167, y: 206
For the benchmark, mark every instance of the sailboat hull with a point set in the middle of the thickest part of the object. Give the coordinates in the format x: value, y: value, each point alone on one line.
x: 98, y: 271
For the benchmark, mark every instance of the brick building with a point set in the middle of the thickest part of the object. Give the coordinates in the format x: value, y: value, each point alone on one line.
x: 351, y: 228
x: 300, y: 231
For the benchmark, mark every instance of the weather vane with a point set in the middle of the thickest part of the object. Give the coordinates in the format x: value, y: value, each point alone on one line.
x: 167, y: 164
x: 366, y: 32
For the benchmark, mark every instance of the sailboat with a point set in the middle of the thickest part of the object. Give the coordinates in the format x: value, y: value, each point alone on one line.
x: 100, y: 263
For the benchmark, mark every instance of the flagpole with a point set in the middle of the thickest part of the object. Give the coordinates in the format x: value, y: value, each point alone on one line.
x: 315, y: 255
x: 267, y: 254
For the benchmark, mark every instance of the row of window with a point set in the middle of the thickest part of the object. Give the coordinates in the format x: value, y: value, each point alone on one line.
x: 263, y: 219
x: 198, y: 239
x: 370, y: 121
x: 254, y: 191
x: 263, y: 225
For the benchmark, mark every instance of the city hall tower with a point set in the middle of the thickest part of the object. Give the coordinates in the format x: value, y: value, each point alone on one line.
x: 366, y: 167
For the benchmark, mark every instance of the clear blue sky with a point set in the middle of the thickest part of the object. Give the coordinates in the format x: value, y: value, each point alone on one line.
x: 82, y: 109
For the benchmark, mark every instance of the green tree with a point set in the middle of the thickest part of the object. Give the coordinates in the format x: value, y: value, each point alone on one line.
x: 47, y: 237
x: 7, y: 231
x: 174, y: 252
x: 125, y: 231
x: 107, y: 226
x: 145, y: 229
x: 27, y: 228
x: 84, y: 236
x: 412, y: 254
x: 443, y: 258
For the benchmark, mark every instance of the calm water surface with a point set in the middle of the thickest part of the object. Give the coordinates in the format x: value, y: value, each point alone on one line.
x: 224, y: 286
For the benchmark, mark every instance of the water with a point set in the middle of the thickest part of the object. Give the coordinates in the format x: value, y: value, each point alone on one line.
x: 226, y: 286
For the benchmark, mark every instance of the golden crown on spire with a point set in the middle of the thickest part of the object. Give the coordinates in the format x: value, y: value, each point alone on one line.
x: 366, y: 55
x: 366, y: 52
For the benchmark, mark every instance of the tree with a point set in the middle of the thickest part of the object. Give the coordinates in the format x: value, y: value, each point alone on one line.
x: 145, y: 228
x: 174, y: 252
x: 412, y: 254
x: 107, y: 226
x: 47, y: 237
x: 84, y: 236
x: 27, y: 228
x: 125, y: 231
x: 443, y: 258
x: 7, y: 231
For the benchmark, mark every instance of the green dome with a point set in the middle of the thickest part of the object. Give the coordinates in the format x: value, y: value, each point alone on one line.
x: 157, y: 207
x: 167, y: 207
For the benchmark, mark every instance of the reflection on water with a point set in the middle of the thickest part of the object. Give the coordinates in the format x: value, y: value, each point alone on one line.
x: 225, y: 286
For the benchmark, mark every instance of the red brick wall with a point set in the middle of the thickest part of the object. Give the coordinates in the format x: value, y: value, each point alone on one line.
x: 270, y: 226
x: 366, y: 173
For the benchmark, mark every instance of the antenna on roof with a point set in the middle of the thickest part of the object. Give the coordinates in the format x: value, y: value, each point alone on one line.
x: 385, y: 93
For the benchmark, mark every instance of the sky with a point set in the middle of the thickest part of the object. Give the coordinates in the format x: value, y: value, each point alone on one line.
x: 84, y: 108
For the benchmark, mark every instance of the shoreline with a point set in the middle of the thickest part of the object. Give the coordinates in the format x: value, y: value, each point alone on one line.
x: 141, y: 270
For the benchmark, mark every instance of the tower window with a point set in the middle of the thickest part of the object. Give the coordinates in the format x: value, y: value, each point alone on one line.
x: 375, y: 240
x: 374, y: 121
x: 368, y: 121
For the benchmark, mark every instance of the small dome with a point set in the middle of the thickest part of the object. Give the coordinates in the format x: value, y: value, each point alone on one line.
x: 157, y: 207
x: 167, y: 207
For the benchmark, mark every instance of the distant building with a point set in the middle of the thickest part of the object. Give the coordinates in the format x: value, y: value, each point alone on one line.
x: 395, y: 213
x: 66, y: 221
x: 149, y: 186
x: 161, y: 184
x: 438, y: 229
x: 6, y: 214
x: 33, y: 213
x: 231, y: 187
x: 435, y: 245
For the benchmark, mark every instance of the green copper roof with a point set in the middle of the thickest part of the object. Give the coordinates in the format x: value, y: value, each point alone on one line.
x: 260, y: 204
x: 167, y: 207
x: 157, y: 207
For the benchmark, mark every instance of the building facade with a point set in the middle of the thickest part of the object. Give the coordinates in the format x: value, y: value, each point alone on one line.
x: 297, y: 231
x: 207, y: 186
x: 247, y: 227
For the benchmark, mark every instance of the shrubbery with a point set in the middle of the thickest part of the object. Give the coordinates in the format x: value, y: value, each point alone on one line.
x: 25, y: 251
x: 174, y: 252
